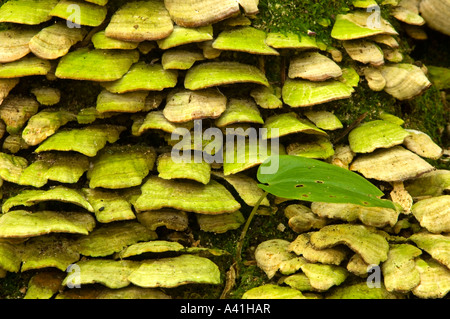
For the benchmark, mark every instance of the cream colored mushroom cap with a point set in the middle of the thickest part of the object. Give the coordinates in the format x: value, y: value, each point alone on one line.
x: 390, y: 165
x: 196, y: 13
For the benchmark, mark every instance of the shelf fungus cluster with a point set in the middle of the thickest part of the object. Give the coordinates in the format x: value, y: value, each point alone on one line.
x: 327, y: 252
x: 95, y: 196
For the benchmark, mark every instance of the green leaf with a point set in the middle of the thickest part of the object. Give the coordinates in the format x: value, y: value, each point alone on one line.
x: 315, y: 181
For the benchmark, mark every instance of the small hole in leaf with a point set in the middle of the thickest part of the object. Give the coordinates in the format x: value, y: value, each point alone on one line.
x: 299, y: 185
x: 304, y: 195
x: 366, y: 203
x: 319, y: 182
x: 332, y: 196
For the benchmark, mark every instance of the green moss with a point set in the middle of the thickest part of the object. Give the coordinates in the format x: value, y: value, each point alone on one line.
x: 12, y: 286
x: 427, y: 113
x: 300, y: 16
x: 250, y: 277
x: 363, y: 100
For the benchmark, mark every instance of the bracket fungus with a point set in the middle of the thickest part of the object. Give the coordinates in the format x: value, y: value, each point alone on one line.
x: 48, y: 251
x: 290, y: 40
x: 27, y: 11
x: 422, y: 144
x: 154, y: 246
x: 404, y: 81
x: 99, y: 243
x: 176, y: 271
x: 110, y: 273
x: 370, y: 216
x: 10, y: 260
x: 437, y: 245
x: 176, y: 59
x: 271, y: 291
x: 96, y: 65
x: 109, y: 206
x: 270, y: 254
x: 88, y: 140
x: 364, y: 51
x: 303, y: 93
x: 212, y: 198
x: 89, y: 14
x: 376, y: 134
x: 407, y: 11
x: 55, y: 41
x: 152, y: 22
x: 302, y: 219
x: 143, y: 77
x: 244, y: 39
x: 210, y: 74
x: 118, y: 167
x: 246, y: 187
x: 360, y: 24
x: 26, y: 66
x: 131, y: 102
x: 25, y: 224
x: 155, y: 120
x: 323, y: 277
x: 15, y: 44
x: 63, y: 168
x: 434, y: 183
x: 289, y: 123
x: 399, y: 270
x: 6, y: 85
x: 430, y: 269
x: 15, y: 111
x: 168, y: 168
x: 239, y: 111
x: 185, y: 105
x: 47, y: 95
x: 313, y: 66
x: 221, y: 223
x: 302, y: 246
x: 250, y: 154
x: 324, y: 120
x: 311, y: 146
x: 102, y: 42
x: 195, y: 13
x: 59, y: 193
x: 181, y: 36
x: 374, y: 78
x: 363, y: 240
x: 166, y: 217
x: 391, y: 164
x: 43, y: 124
x: 433, y: 213
x: 267, y: 97
x: 435, y: 14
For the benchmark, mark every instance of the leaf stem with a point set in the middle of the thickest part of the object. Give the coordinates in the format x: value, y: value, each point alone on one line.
x: 246, y: 226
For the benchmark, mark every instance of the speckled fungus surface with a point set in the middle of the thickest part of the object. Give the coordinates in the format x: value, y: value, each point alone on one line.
x: 98, y: 100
